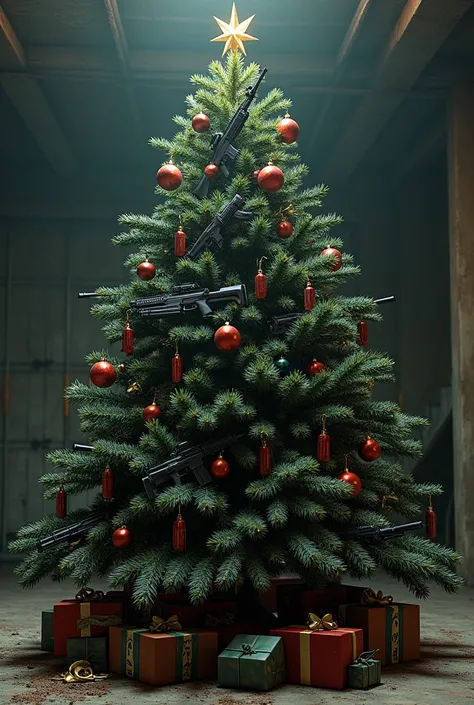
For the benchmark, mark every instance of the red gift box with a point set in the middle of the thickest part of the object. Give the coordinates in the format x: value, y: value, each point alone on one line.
x: 227, y: 632
x: 73, y: 618
x: 319, y: 658
x: 296, y: 601
x: 196, y: 615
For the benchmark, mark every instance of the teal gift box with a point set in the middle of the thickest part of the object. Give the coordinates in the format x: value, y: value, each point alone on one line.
x: 88, y: 648
x: 252, y: 663
x: 365, y: 672
x: 47, y: 638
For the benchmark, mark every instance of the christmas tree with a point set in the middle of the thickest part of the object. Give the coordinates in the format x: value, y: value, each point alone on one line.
x: 238, y: 438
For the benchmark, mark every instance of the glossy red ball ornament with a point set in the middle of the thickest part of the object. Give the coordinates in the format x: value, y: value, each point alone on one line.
x: 211, y: 171
x: 270, y: 178
x: 285, y: 229
x: 314, y: 368
x: 102, y: 374
x: 169, y: 177
x: 332, y: 252
x: 352, y: 479
x: 201, y: 123
x: 369, y: 450
x: 122, y: 537
x: 288, y: 129
x: 146, y: 270
x: 220, y: 468
x: 227, y: 338
x: 151, y: 412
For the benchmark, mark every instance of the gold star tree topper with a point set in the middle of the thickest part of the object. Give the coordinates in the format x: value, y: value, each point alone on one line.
x: 234, y: 33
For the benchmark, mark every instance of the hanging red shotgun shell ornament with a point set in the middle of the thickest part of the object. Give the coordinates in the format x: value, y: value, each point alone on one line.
x: 179, y: 533
x: 264, y: 458
x: 127, y: 336
x: 324, y: 444
x: 260, y: 281
x: 180, y: 240
x: 363, y: 332
x: 107, y: 483
x: 176, y: 367
x: 430, y: 521
x: 309, y: 297
x: 61, y: 503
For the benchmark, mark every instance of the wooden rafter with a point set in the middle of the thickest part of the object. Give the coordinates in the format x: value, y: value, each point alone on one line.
x: 421, y: 29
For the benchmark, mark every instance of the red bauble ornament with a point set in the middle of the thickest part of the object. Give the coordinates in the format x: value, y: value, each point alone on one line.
x: 430, y: 522
x: 323, y: 453
x: 332, y: 252
x: 227, y: 338
x: 211, y: 171
x: 102, y: 374
x: 260, y: 281
x: 201, y: 123
x: 363, y: 331
x: 309, y: 297
x: 369, y: 450
x: 122, y: 537
x: 220, y: 467
x: 180, y: 242
x: 264, y: 458
x: 285, y: 229
x: 270, y: 178
x: 61, y: 503
x: 288, y: 129
x: 179, y: 533
x: 352, y: 479
x: 169, y: 177
x: 107, y: 483
x: 127, y: 338
x: 146, y: 270
x: 177, y: 367
x: 314, y: 368
x: 152, y: 411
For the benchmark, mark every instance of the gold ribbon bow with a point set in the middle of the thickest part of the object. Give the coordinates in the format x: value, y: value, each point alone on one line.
x: 99, y: 620
x: 370, y: 597
x: 79, y: 672
x: 87, y: 594
x: 318, y: 624
x: 165, y: 625
x: 213, y: 621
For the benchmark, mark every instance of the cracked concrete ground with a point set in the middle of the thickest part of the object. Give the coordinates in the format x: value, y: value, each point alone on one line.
x: 444, y: 675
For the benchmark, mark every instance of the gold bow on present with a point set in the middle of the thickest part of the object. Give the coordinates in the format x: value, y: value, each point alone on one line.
x: 87, y: 594
x: 318, y: 624
x: 165, y: 625
x: 370, y: 597
x: 213, y: 621
x: 78, y: 672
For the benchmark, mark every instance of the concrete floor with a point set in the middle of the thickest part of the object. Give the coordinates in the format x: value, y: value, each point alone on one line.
x: 445, y: 674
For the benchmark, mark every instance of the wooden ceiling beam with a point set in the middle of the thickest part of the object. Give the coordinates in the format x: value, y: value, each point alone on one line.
x: 421, y: 29
x: 27, y: 96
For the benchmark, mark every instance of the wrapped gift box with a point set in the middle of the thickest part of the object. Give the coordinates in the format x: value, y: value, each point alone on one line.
x: 227, y: 628
x: 196, y: 615
x: 77, y: 618
x: 47, y: 639
x: 295, y: 601
x: 393, y: 630
x: 252, y: 663
x: 365, y: 672
x: 92, y: 649
x: 319, y: 658
x: 163, y: 658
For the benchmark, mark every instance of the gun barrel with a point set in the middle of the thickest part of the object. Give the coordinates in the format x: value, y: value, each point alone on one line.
x: 88, y: 294
x: 385, y: 300
x: 79, y: 446
x: 71, y: 532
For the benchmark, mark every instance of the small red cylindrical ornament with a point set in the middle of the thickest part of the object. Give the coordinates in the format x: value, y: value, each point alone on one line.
x: 152, y: 411
x: 270, y: 178
x: 122, y: 537
x: 324, y: 444
x: 107, y: 483
x: 227, y: 338
x: 285, y: 229
x: 351, y: 479
x: 169, y: 177
x: 260, y: 281
x: 61, y: 503
x: 332, y: 252
x: 180, y: 242
x: 211, y: 171
x: 127, y: 337
x: 314, y: 368
x: 369, y: 450
x: 309, y: 297
x: 220, y: 467
x: 363, y: 332
x: 102, y: 374
x: 430, y: 522
x: 264, y: 458
x: 176, y: 367
x: 201, y: 123
x: 179, y: 533
x: 146, y: 270
x: 288, y: 129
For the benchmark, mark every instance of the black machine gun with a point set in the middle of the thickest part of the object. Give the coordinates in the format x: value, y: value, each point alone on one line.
x: 279, y: 324
x: 184, y: 461
x: 383, y: 533
x: 212, y: 235
x: 168, y: 304
x: 175, y: 291
x: 223, y: 149
x: 73, y: 532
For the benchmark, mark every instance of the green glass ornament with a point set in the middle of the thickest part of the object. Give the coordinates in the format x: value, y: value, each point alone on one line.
x: 282, y: 364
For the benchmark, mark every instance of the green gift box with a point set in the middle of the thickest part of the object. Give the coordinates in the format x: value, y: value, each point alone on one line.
x: 47, y: 639
x: 88, y: 648
x: 252, y: 663
x: 365, y: 672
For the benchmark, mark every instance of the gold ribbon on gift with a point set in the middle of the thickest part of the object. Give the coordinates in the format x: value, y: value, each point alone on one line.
x: 376, y: 599
x: 99, y: 620
x: 214, y: 621
x: 80, y: 672
x: 318, y: 624
x: 165, y: 625
x: 87, y: 594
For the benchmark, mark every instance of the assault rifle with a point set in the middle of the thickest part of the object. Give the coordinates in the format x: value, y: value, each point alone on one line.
x: 73, y: 532
x: 184, y: 461
x: 382, y: 533
x: 213, y: 233
x: 176, y: 290
x: 280, y: 324
x: 168, y: 304
x: 223, y: 150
